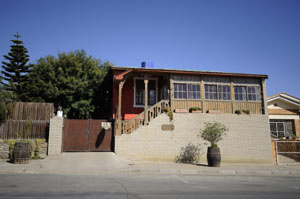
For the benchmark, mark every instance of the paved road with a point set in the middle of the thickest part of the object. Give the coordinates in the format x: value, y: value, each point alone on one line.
x: 137, y: 186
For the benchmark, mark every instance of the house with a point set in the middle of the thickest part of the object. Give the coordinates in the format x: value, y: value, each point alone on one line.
x: 284, y: 111
x: 144, y: 132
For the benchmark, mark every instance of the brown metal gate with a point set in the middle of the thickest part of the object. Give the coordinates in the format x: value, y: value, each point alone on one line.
x: 86, y: 135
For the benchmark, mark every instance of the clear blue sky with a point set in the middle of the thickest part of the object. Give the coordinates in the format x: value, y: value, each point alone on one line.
x: 254, y: 36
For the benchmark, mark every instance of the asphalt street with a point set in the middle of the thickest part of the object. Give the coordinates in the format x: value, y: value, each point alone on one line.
x: 136, y: 186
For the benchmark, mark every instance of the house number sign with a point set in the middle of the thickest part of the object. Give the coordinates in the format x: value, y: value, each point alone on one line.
x: 106, y: 125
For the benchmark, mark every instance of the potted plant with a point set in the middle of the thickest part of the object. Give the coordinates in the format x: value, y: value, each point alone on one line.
x: 214, y: 110
x: 180, y: 110
x: 246, y: 111
x: 213, y: 132
x: 238, y: 112
x: 195, y: 110
x: 23, y: 147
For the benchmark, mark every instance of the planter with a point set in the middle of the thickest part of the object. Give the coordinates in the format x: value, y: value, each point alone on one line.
x: 179, y: 110
x: 198, y: 111
x: 213, y: 111
x: 22, y: 152
x: 213, y: 156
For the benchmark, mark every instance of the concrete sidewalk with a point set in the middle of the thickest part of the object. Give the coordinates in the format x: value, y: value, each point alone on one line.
x: 104, y: 163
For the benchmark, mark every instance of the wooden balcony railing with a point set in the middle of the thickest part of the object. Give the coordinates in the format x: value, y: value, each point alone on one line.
x: 128, y: 126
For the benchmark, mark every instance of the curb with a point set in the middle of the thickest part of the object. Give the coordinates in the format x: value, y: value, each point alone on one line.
x: 161, y: 171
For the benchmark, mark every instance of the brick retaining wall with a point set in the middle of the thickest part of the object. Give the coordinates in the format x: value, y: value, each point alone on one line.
x: 248, y: 138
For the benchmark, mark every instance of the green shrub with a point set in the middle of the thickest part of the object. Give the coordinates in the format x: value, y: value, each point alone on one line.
x: 194, y: 109
x: 169, y: 112
x: 11, y: 143
x: 237, y: 112
x: 246, y: 111
x: 213, y: 132
x: 36, y: 154
x: 189, y: 154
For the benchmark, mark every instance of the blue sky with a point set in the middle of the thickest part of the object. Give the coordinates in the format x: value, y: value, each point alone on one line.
x: 255, y: 36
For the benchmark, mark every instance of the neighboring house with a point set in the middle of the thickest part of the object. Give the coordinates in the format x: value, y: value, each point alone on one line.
x: 143, y: 132
x: 284, y: 111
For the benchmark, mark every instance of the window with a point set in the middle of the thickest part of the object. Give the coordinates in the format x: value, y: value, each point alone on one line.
x: 140, y: 92
x: 193, y: 91
x: 210, y: 91
x: 217, y: 92
x: 224, y: 92
x: 281, y: 128
x: 253, y: 93
x: 184, y: 91
x: 240, y: 93
x: 180, y: 91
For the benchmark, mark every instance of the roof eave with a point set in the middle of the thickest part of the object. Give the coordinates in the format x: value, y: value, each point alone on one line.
x: 188, y: 72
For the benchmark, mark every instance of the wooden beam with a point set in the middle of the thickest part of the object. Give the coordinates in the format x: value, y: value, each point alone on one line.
x: 264, y: 97
x: 120, y: 100
x: 171, y: 94
x: 202, y: 94
x: 232, y: 94
x: 146, y: 81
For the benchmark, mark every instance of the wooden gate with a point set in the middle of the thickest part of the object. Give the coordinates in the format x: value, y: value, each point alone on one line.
x: 86, y: 135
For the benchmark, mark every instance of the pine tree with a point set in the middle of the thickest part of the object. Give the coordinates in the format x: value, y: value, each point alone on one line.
x: 15, y: 70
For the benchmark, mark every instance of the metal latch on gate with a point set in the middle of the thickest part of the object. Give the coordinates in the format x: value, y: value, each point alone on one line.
x: 106, y: 125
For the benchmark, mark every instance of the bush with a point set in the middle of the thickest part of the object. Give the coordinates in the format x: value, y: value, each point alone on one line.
x: 194, y: 109
x: 189, y: 154
x: 213, y: 132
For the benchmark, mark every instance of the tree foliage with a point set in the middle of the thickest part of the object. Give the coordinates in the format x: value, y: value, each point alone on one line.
x: 16, y: 69
x: 71, y: 80
x: 213, y: 132
x: 5, y: 99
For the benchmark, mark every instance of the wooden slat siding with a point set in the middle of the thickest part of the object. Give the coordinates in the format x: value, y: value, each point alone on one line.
x: 253, y: 107
x: 179, y: 104
x: 12, y: 129
x: 194, y: 103
x: 223, y: 107
x: 21, y: 113
x: 186, y: 104
x: 33, y: 111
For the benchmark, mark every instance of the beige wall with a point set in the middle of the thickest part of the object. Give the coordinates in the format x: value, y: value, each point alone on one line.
x: 248, y: 139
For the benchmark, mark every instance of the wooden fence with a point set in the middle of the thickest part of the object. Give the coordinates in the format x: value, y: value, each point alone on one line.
x: 28, y: 120
x: 287, y: 151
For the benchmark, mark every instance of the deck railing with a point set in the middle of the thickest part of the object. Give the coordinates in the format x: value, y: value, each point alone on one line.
x: 128, y: 126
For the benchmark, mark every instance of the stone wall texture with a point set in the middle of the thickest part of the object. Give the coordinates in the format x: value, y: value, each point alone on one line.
x: 248, y: 138
x: 4, y: 149
x: 55, y: 136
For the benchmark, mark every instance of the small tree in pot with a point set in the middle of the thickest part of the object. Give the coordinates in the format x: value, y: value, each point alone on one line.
x: 213, y: 132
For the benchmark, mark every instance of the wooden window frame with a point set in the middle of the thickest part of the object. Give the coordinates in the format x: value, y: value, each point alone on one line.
x: 134, y: 90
